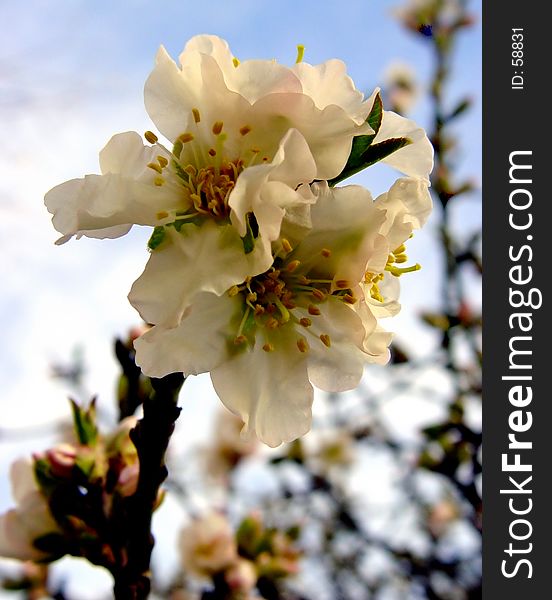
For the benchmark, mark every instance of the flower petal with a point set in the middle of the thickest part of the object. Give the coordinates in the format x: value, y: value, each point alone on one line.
x: 416, y: 159
x: 197, y: 345
x: 338, y: 367
x: 270, y: 391
x: 208, y: 258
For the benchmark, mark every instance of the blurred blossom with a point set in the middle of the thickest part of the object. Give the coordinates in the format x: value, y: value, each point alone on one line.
x: 20, y: 527
x: 441, y: 515
x: 207, y: 545
x: 401, y: 87
x: 228, y: 447
x: 431, y: 17
x: 241, y: 576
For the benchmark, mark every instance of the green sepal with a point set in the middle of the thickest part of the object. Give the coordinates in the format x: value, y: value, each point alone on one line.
x: 157, y: 237
x: 84, y: 422
x: 43, y: 475
x: 363, y: 156
x: 251, y: 234
x: 375, y: 117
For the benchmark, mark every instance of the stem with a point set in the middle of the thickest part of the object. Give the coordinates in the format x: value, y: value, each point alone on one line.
x: 151, y: 437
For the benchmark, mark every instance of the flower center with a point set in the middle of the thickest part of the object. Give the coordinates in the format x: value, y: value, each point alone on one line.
x: 200, y: 160
x: 398, y: 256
x: 274, y: 298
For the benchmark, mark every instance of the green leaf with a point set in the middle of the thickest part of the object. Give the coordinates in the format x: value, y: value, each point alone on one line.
x: 85, y: 423
x: 375, y: 116
x: 157, y: 237
x: 362, y: 157
x: 252, y: 232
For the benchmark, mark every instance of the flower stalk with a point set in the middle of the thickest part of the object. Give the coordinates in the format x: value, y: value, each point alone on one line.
x: 151, y: 437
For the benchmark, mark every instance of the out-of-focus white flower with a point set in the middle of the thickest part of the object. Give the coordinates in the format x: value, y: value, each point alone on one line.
x: 30, y: 520
x: 228, y: 447
x: 242, y: 576
x: 401, y: 86
x: 208, y: 545
x: 311, y: 319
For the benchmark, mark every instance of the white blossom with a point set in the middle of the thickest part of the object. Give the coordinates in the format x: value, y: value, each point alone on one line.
x: 311, y: 319
x: 29, y: 520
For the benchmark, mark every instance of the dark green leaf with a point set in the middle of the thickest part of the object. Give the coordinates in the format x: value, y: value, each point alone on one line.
x: 157, y: 237
x: 376, y: 115
x: 85, y: 423
x: 252, y: 232
x: 360, y: 158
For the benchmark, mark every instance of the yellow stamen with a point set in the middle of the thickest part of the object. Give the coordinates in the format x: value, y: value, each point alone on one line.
x: 272, y: 323
x: 236, y: 62
x: 313, y: 310
x: 303, y: 345
x: 162, y: 161
x: 342, y: 284
x: 326, y: 339
x: 155, y: 167
x: 300, y: 53
x: 305, y: 321
x: 197, y: 116
x: 293, y: 265
x: 398, y: 271
x: 240, y: 339
x: 318, y: 294
x: 245, y: 129
x: 159, y: 181
x: 151, y: 137
x: 185, y: 138
x: 268, y: 347
x: 217, y: 127
x: 286, y: 245
x: 326, y: 253
x: 233, y: 291
x: 212, y: 152
x: 163, y: 214
x: 349, y: 298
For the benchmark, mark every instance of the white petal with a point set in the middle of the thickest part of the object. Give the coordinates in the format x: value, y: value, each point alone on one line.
x: 328, y: 83
x: 22, y: 478
x: 266, y: 190
x: 270, y: 391
x: 407, y: 205
x: 197, y: 345
x: 208, y: 258
x: 338, y: 367
x: 416, y: 159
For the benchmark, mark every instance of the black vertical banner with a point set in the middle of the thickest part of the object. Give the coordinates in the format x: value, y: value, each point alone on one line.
x: 517, y: 199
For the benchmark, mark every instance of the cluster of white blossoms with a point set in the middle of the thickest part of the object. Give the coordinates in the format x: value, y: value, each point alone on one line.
x: 261, y: 272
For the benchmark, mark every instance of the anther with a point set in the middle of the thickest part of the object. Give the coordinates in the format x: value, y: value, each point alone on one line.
x: 163, y: 214
x: 252, y: 296
x: 303, y: 345
x: 162, y: 161
x: 286, y: 245
x: 326, y: 339
x: 159, y: 181
x: 151, y: 137
x: 293, y: 265
x: 212, y: 152
x: 259, y: 310
x: 235, y: 62
x: 305, y: 322
x: 349, y: 298
x: 240, y: 339
x: 268, y: 348
x: 217, y: 127
x: 313, y: 310
x: 233, y: 291
x: 197, y: 116
x: 342, y: 284
x: 304, y: 280
x: 326, y: 253
x: 401, y: 258
x: 245, y: 129
x: 300, y: 53
x: 185, y: 138
x: 318, y: 294
x: 272, y: 323
x: 155, y: 167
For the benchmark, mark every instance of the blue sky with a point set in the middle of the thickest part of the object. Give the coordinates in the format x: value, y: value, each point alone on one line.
x: 72, y: 75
